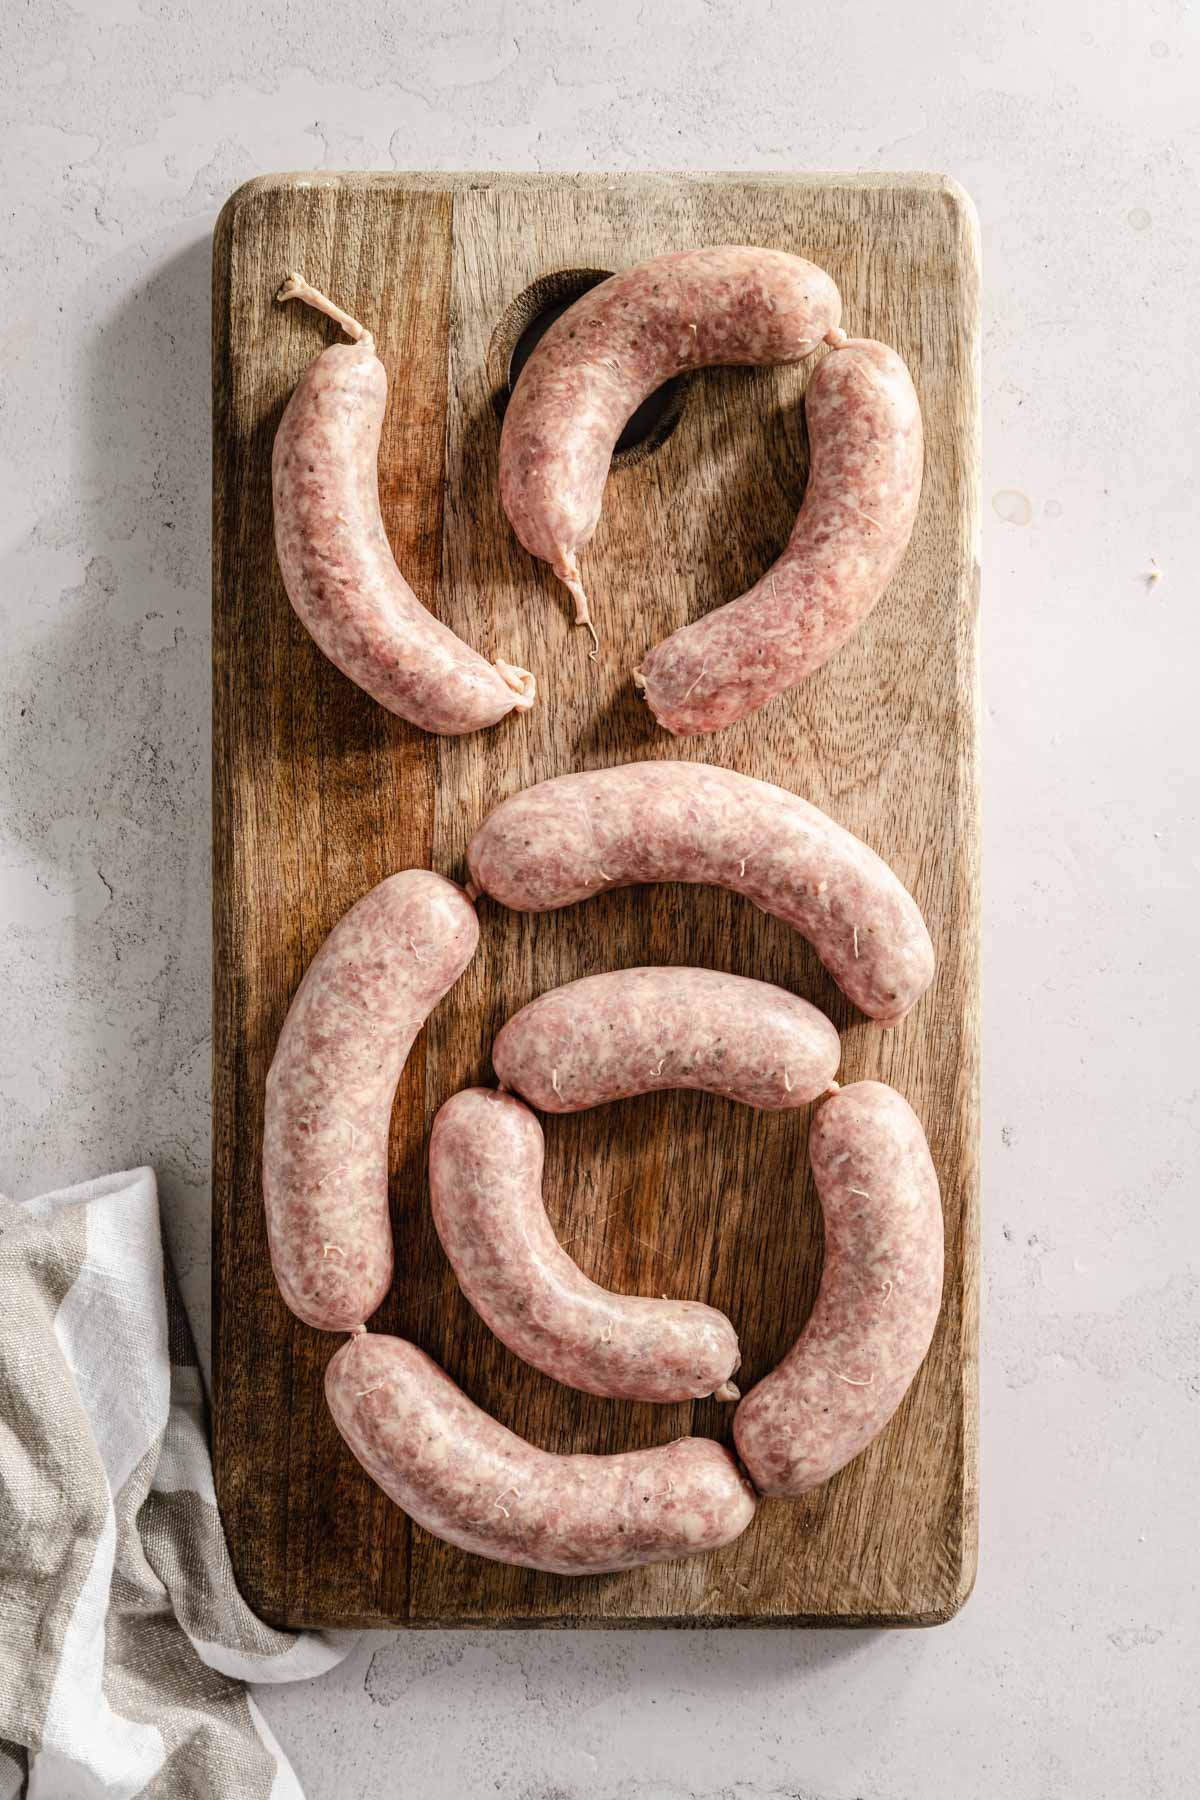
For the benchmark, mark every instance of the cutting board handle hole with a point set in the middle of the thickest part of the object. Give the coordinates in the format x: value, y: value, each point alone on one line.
x: 521, y: 328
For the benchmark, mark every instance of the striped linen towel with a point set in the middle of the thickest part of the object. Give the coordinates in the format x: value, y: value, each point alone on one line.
x: 125, y: 1646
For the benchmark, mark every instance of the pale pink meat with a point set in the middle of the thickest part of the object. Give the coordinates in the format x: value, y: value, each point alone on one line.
x: 621, y: 340
x: 473, y: 1483
x: 338, y: 566
x: 485, y: 1181
x: 638, y: 1031
x: 880, y: 1294
x: 330, y: 1087
x: 864, y: 427
x: 576, y: 835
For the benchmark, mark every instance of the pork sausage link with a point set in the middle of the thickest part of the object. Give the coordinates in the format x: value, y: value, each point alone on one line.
x: 472, y: 1482
x: 638, y: 1031
x: 878, y: 1303
x: 485, y: 1180
x: 576, y: 835
x: 330, y: 1087
x: 591, y: 371
x: 864, y: 427
x: 337, y: 565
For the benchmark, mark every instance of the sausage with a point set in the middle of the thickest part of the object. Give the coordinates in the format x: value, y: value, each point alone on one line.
x: 864, y: 427
x: 472, y: 1482
x: 338, y: 569
x: 596, y: 364
x: 638, y: 1031
x: 330, y: 1087
x: 576, y: 835
x: 485, y: 1181
x: 878, y: 1303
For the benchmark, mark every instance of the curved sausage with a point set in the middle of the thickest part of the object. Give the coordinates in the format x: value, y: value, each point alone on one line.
x: 576, y: 835
x: 878, y: 1303
x: 864, y: 426
x: 337, y: 566
x: 638, y: 1031
x: 619, y: 342
x: 473, y: 1483
x: 485, y: 1181
x: 364, y: 997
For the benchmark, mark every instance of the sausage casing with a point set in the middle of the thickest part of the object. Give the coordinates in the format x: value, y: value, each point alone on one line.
x: 639, y: 1031
x: 338, y: 567
x: 576, y: 835
x: 474, y: 1483
x: 864, y: 427
x: 729, y: 303
x: 485, y: 1180
x: 878, y: 1302
x: 364, y: 997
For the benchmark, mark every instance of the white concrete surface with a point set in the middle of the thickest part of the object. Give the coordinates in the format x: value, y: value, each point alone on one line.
x: 1073, y: 1670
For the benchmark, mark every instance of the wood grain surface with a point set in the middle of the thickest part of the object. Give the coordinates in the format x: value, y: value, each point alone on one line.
x: 319, y: 793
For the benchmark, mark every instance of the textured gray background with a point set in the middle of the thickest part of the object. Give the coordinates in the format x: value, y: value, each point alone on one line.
x: 1072, y: 1671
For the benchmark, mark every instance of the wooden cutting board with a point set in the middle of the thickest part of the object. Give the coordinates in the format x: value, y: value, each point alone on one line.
x: 319, y: 793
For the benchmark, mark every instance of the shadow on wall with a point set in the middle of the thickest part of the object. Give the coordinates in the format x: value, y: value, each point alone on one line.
x: 104, y: 768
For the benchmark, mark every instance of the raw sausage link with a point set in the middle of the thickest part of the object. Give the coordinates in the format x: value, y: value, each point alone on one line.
x: 878, y: 1303
x: 576, y: 835
x: 473, y: 1483
x: 365, y: 995
x: 864, y: 426
x: 611, y: 349
x: 337, y: 565
x: 485, y: 1179
x: 638, y: 1031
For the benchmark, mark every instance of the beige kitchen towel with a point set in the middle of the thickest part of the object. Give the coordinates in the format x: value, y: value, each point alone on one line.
x: 125, y: 1647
